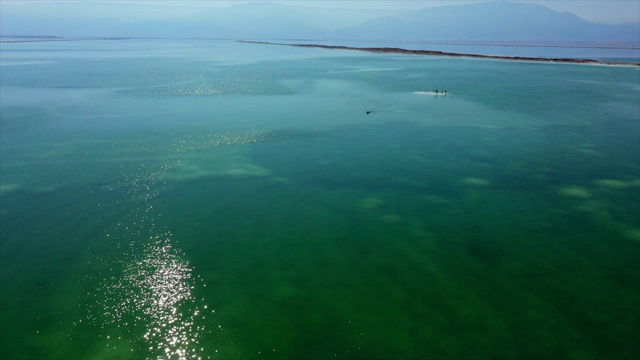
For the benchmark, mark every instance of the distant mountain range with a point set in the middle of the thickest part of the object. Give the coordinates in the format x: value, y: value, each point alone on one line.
x: 494, y: 21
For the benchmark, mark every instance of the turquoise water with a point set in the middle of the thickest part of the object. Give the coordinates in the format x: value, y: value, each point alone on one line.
x: 216, y: 200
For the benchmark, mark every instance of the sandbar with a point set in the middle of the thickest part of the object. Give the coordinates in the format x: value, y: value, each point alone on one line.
x: 392, y: 50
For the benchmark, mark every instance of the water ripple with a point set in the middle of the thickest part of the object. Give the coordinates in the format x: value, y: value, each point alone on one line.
x: 148, y: 288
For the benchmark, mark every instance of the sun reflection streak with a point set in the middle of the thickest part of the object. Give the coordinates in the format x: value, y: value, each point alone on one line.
x: 165, y: 295
x: 149, y: 287
x: 145, y: 292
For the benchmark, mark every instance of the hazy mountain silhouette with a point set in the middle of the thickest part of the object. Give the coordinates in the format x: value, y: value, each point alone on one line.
x: 480, y: 21
x: 253, y: 20
x: 509, y: 21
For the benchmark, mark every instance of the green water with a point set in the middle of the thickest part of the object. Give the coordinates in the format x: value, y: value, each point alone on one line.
x: 214, y: 200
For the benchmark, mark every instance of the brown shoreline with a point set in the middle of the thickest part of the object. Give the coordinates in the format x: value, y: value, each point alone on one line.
x: 391, y: 50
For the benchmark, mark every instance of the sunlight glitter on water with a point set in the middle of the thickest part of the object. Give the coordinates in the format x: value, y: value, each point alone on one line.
x: 153, y: 290
x: 162, y: 280
x: 315, y: 229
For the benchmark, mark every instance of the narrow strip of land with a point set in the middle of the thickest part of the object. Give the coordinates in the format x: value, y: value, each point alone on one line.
x: 392, y: 50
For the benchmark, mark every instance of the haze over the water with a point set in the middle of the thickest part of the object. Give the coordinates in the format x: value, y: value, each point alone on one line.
x: 604, y: 11
x: 293, y: 19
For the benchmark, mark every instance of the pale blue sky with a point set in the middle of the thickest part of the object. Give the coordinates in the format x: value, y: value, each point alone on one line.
x: 606, y: 11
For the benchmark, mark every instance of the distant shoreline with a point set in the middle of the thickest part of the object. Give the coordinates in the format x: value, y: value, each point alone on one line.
x: 391, y: 50
x: 380, y: 50
x: 31, y: 39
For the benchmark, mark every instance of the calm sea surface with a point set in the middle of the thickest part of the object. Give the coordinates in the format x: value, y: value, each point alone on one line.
x: 216, y: 200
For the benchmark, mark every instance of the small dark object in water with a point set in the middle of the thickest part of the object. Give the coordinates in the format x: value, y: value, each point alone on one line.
x: 436, y: 91
x: 369, y: 112
x: 445, y: 93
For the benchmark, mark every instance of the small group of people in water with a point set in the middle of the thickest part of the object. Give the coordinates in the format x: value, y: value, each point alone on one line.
x: 436, y: 92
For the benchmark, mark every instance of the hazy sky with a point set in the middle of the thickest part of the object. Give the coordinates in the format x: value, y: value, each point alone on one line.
x: 595, y: 10
x: 607, y: 11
